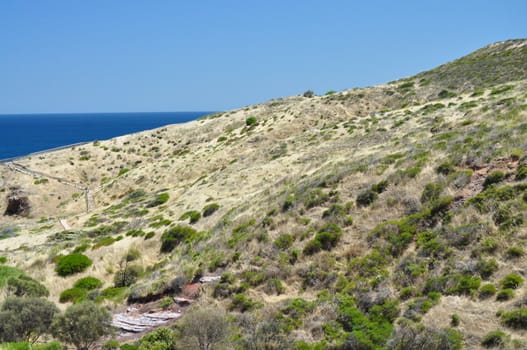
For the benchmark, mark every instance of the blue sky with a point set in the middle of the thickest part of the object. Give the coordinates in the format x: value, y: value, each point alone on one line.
x: 126, y: 56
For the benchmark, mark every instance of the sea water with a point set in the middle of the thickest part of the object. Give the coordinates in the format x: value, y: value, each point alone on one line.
x: 22, y: 134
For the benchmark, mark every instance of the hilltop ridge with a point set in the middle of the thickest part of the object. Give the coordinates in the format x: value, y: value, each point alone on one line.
x: 399, y: 205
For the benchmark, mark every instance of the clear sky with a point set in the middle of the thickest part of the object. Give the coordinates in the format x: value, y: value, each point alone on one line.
x: 130, y: 56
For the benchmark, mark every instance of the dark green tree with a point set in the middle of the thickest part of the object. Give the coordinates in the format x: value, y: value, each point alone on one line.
x: 82, y: 325
x: 25, y: 319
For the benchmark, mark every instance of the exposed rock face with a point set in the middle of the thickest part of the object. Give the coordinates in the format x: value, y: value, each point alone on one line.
x: 17, y: 203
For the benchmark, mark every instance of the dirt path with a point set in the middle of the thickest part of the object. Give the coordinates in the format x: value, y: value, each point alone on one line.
x: 88, y: 193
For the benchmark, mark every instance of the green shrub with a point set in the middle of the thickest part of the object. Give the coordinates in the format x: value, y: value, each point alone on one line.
x: 512, y: 281
x: 3, y: 259
x: 149, y: 235
x: 515, y: 319
x: 493, y: 178
x: 174, y: 236
x: 486, y: 291
x: 406, y: 293
x: 251, y: 121
x: 103, y: 242
x: 466, y: 285
x: 446, y: 94
x: 288, y: 203
x: 129, y: 347
x: 72, y: 263
x: 127, y: 276
x: 88, y: 283
x: 113, y: 293
x: 135, y: 233
x: 242, y: 303
x: 159, y: 339
x: 514, y: 252
x: 314, y: 198
x: 25, y: 286
x: 136, y: 195
x: 81, y: 248
x: 210, y: 209
x: 494, y: 339
x: 489, y: 245
x: 112, y: 344
x: 166, y: 302
x: 312, y: 247
x: 161, y: 198
x: 74, y: 295
x: 445, y: 168
x: 380, y: 187
x: 327, y: 238
x: 192, y: 215
x: 308, y: 93
x: 366, y: 198
x: 505, y: 294
x: 284, y: 241
x: 431, y: 192
x: 455, y: 320
x: 521, y: 174
x: 487, y: 267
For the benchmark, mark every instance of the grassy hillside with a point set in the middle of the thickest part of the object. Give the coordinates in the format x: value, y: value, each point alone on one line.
x: 390, y: 216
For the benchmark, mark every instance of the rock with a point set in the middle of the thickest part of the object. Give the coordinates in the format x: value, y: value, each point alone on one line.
x: 17, y: 203
x: 136, y: 322
x: 209, y: 279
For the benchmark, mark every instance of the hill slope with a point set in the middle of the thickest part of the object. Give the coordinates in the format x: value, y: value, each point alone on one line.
x: 341, y: 219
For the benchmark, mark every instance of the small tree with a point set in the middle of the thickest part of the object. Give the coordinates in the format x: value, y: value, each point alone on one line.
x: 160, y: 339
x: 25, y: 318
x: 205, y: 329
x: 82, y: 325
x: 308, y: 93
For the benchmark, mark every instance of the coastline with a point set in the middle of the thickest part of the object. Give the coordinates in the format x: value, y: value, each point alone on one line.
x: 162, y: 119
x: 7, y: 160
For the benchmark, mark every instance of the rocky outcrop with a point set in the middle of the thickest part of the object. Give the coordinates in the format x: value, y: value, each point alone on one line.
x: 17, y: 203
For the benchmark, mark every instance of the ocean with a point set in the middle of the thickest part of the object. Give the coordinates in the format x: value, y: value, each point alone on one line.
x: 22, y: 134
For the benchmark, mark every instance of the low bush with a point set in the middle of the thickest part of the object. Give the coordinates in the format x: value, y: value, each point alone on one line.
x: 24, y: 285
x: 251, y: 121
x: 366, y: 198
x: 515, y: 319
x: 486, y: 291
x: 72, y: 263
x: 210, y: 209
x: 135, y: 233
x: 74, y: 295
x: 174, y: 236
x: 88, y: 283
x: 127, y: 276
x: 455, y: 320
x: 161, y: 198
x: 149, y: 235
x: 514, y: 252
x: 192, y: 215
x: 327, y: 238
x: 512, y: 281
x: 431, y: 192
x: 284, y: 241
x: 242, y: 303
x: 494, y: 339
x: 493, y: 178
x: 466, y: 285
x: 445, y: 168
x: 505, y: 294
x: 487, y: 267
x: 521, y: 174
x: 380, y: 187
